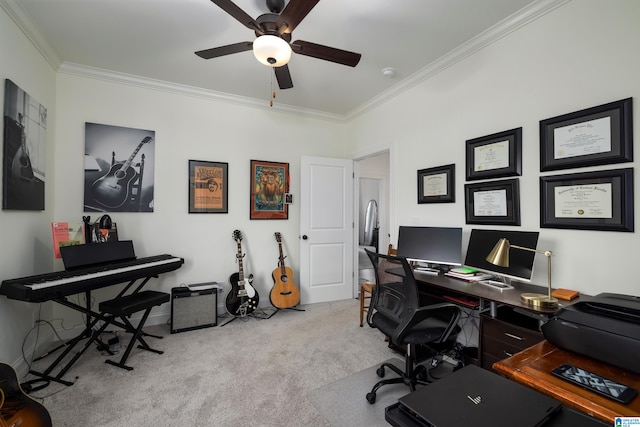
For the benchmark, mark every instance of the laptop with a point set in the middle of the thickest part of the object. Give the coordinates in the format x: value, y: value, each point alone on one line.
x: 473, y: 396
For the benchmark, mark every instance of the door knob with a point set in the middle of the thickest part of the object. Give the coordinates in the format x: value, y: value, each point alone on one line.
x: 304, y: 237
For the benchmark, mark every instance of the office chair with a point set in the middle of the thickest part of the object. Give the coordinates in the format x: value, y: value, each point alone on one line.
x: 395, y: 310
x: 366, y: 289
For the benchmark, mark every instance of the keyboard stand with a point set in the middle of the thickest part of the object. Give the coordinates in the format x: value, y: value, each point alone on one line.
x: 93, y: 318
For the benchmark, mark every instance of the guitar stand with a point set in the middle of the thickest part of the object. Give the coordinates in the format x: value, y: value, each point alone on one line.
x: 243, y: 313
x: 288, y: 308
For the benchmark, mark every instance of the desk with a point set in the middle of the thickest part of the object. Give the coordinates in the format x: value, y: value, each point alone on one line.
x: 442, y: 285
x: 533, y: 366
x: 507, y: 325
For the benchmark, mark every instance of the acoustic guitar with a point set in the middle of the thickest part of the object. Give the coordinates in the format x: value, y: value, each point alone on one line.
x: 242, y: 299
x: 21, y: 163
x: 16, y: 408
x: 285, y: 293
x: 114, y: 188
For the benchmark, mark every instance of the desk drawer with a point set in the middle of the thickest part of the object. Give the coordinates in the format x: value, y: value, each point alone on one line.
x: 514, y: 335
x: 499, y: 349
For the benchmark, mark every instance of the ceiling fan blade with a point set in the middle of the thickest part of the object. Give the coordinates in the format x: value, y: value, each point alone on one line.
x: 293, y: 13
x: 232, y: 9
x: 327, y: 53
x: 284, y: 77
x: 224, y: 50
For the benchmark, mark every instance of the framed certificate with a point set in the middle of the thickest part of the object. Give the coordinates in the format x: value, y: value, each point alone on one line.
x: 600, y: 200
x: 495, y: 156
x: 495, y: 202
x: 437, y: 185
x: 594, y: 136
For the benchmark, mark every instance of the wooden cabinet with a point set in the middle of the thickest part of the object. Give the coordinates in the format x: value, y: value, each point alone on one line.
x: 506, y: 334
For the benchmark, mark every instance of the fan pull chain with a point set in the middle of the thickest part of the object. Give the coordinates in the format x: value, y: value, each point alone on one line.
x: 273, y: 90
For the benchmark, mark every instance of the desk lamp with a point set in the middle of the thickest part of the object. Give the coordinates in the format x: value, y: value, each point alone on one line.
x: 499, y: 256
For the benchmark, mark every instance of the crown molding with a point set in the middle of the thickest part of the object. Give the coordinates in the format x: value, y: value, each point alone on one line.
x: 519, y: 19
x: 169, y: 87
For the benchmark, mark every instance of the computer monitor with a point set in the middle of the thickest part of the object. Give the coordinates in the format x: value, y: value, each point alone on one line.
x: 440, y: 246
x: 481, y: 242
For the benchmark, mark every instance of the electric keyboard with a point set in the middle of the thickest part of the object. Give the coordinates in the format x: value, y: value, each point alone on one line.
x: 49, y: 286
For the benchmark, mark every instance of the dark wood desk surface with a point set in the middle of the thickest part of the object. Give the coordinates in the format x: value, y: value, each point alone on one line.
x: 510, y: 297
x: 533, y: 367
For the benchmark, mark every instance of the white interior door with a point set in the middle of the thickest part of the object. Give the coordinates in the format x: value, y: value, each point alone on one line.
x: 326, y: 229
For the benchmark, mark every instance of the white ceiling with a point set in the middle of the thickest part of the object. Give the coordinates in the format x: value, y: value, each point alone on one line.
x: 157, y: 39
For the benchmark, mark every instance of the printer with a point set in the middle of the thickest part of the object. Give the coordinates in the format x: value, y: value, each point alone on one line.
x: 605, y: 327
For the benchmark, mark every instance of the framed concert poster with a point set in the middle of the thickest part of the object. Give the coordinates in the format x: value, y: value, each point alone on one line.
x: 495, y: 202
x: 598, y: 135
x: 269, y: 184
x: 208, y: 187
x: 599, y: 200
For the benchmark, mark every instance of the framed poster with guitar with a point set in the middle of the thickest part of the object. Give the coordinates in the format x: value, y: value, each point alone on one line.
x: 269, y: 184
x: 119, y: 169
x: 25, y: 128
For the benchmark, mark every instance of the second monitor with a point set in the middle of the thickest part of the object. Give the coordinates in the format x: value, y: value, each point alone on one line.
x: 433, y: 246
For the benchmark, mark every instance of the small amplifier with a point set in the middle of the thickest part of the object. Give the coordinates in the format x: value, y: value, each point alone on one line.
x: 193, y: 309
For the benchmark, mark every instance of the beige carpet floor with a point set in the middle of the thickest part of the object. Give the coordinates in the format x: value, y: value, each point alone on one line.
x: 251, y: 372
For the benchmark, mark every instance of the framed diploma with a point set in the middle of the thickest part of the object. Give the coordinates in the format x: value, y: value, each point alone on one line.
x: 495, y: 156
x: 600, y: 200
x: 208, y: 187
x: 596, y: 136
x: 437, y: 185
x: 496, y: 202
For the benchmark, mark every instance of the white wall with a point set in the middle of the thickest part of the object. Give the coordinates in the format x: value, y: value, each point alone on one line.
x: 200, y: 129
x: 583, y: 54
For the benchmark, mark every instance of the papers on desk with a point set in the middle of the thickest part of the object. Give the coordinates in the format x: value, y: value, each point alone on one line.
x: 469, y: 277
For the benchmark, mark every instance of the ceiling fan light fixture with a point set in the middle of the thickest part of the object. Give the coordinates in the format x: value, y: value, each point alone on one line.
x: 272, y: 51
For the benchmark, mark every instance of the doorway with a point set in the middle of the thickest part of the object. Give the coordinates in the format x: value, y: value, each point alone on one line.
x: 373, y: 176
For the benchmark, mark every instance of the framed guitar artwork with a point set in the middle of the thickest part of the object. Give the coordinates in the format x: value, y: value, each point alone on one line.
x: 118, y: 169
x: 25, y: 129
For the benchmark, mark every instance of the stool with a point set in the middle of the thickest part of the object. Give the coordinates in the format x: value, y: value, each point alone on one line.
x: 365, y: 288
x: 125, y: 306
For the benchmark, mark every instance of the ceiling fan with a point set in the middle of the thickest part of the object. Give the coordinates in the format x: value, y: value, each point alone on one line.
x: 273, y: 44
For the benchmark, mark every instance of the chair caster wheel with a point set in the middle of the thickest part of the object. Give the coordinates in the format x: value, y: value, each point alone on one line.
x: 380, y: 372
x: 371, y: 398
